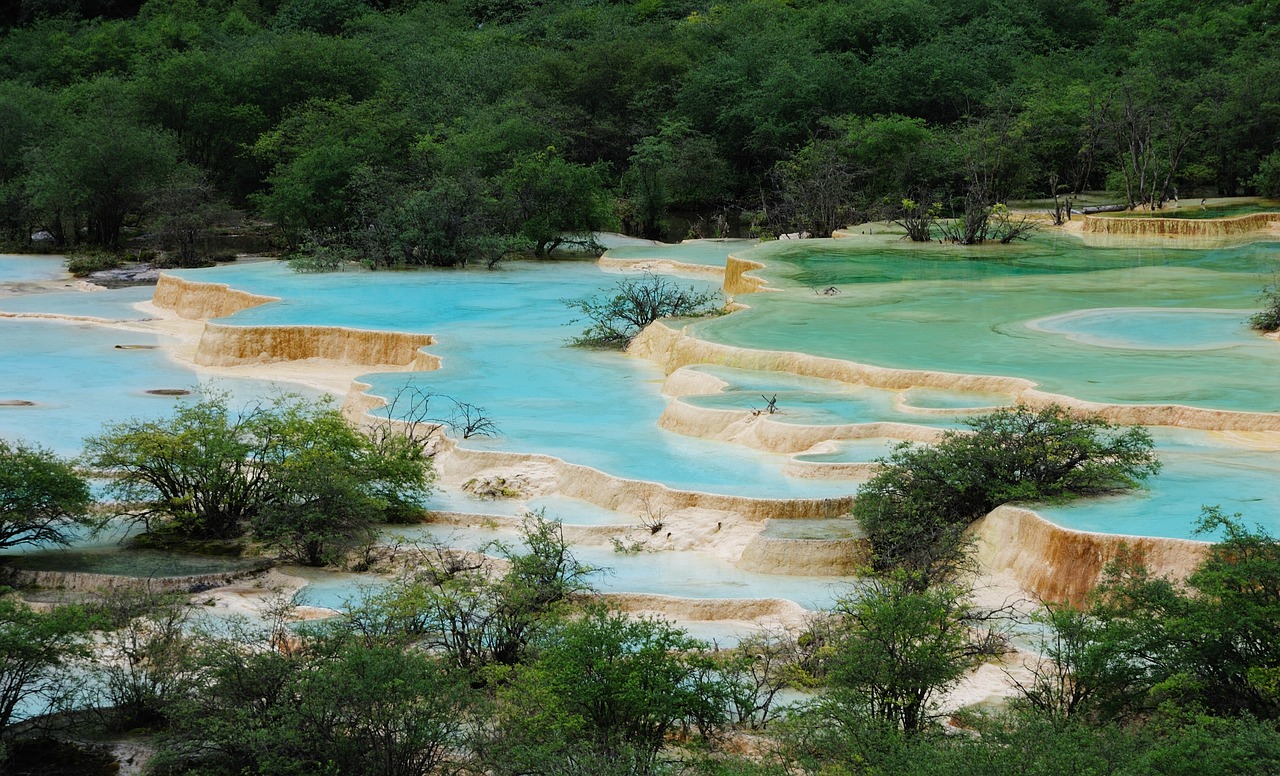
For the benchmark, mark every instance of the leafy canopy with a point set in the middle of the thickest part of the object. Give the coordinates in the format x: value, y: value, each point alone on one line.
x: 1213, y: 645
x: 41, y: 496
x: 897, y: 649
x: 35, y: 651
x: 294, y: 470
x: 602, y: 695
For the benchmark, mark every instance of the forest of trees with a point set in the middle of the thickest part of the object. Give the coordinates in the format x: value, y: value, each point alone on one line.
x: 458, y: 131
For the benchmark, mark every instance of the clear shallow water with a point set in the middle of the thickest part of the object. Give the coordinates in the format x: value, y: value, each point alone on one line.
x: 683, y: 574
x: 79, y: 380
x: 934, y: 398
x: 709, y: 253
x: 115, y: 304
x: 1191, y: 209
x: 972, y: 311
x: 1197, y: 471
x: 502, y: 338
x: 335, y: 591
x: 570, y: 511
x: 853, y: 451
x: 1137, y: 325
x: 22, y: 269
x: 1137, y: 328
x: 810, y: 400
x: 1140, y: 325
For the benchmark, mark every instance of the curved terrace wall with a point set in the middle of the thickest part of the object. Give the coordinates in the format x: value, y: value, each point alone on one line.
x: 616, y: 493
x: 1046, y: 559
x: 226, y: 345
x: 1060, y: 564
x: 85, y: 581
x: 1180, y: 227
x: 200, y: 301
x: 709, y: 609
x: 805, y: 557
x: 764, y: 433
x: 672, y: 348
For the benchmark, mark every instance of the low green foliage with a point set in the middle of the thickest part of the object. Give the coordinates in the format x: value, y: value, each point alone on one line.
x: 555, y: 201
x: 1214, y: 645
x: 319, y: 708
x: 150, y: 639
x: 759, y: 669
x: 896, y: 649
x: 314, y: 256
x: 1151, y: 679
x: 85, y: 264
x: 37, y: 651
x: 1083, y: 671
x: 1268, y: 318
x: 470, y: 609
x: 1267, y: 179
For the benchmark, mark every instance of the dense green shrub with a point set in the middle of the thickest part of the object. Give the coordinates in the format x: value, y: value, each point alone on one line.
x: 1268, y: 318
x: 601, y: 697
x: 306, y: 481
x: 85, y: 264
x: 916, y: 509
x: 1267, y: 179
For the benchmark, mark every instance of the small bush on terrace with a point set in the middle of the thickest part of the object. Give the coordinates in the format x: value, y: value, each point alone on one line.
x: 635, y: 303
x: 1268, y: 318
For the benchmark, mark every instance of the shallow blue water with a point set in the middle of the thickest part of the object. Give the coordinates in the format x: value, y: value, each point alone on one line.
x: 1198, y: 470
x: 1130, y: 328
x: 502, y: 338
x: 1124, y: 326
x: 854, y: 451
x: 21, y: 269
x: 678, y: 573
x: 599, y: 409
x: 115, y: 304
x: 1142, y: 325
x: 79, y: 380
x: 570, y: 511
x: 815, y: 401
